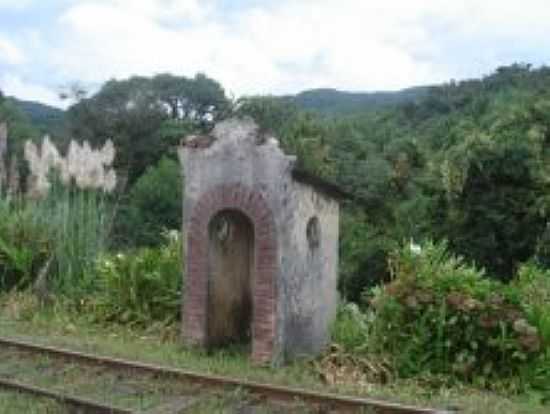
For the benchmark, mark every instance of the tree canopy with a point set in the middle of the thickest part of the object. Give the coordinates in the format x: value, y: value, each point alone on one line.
x: 145, y: 116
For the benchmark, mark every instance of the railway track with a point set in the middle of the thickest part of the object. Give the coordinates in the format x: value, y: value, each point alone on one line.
x: 95, y: 384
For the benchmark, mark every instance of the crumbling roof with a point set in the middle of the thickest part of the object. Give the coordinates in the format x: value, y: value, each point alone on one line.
x: 322, y: 185
x: 197, y: 141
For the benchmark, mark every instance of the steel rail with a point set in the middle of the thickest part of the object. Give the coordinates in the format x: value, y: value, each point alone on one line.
x: 88, y: 406
x: 276, y: 392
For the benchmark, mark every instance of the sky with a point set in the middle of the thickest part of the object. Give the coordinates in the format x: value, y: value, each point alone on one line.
x: 265, y: 46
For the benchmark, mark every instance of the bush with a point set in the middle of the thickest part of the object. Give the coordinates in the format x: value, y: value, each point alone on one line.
x: 140, y: 286
x: 363, y: 254
x: 25, y: 245
x: 154, y: 204
x: 443, y: 316
x: 350, y: 328
x: 533, y: 284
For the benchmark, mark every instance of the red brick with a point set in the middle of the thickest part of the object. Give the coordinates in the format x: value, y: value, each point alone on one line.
x: 253, y: 204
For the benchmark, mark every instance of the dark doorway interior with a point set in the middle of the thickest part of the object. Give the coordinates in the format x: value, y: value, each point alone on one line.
x: 231, y: 261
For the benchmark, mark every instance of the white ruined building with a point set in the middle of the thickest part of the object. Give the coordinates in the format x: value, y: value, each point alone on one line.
x: 262, y: 245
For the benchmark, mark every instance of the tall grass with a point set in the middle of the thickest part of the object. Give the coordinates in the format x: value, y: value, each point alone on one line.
x: 69, y: 229
x: 79, y: 224
x: 58, y: 228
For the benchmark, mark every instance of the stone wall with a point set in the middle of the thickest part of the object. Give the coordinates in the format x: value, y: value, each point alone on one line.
x: 310, y: 268
x: 237, y: 168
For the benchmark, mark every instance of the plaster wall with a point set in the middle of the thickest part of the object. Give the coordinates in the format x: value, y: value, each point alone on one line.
x: 237, y: 154
x: 309, y: 271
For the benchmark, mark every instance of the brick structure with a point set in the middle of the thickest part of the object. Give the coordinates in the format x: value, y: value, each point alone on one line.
x: 233, y: 197
x: 261, y: 248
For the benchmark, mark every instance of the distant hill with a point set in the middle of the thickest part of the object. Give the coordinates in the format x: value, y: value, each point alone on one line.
x: 44, y: 117
x: 332, y: 101
x: 49, y: 119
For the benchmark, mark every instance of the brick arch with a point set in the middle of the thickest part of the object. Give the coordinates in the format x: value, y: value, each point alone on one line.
x: 253, y: 205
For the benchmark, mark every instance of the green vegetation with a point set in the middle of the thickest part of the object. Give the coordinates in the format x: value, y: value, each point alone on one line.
x: 443, y: 319
x: 331, y: 101
x: 44, y: 117
x: 78, y: 223
x: 146, y: 117
x: 11, y: 402
x: 20, y: 130
x: 22, y: 317
x: 153, y: 205
x: 467, y: 163
x: 445, y: 243
x: 141, y: 286
x: 25, y: 246
x: 442, y: 316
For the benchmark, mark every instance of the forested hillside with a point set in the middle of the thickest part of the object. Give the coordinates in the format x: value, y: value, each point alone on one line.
x: 20, y: 125
x: 464, y: 161
x: 44, y: 117
x: 332, y: 101
x: 468, y: 163
x: 50, y: 119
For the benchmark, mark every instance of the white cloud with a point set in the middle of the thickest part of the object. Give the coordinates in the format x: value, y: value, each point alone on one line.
x: 281, y: 48
x: 9, y: 53
x: 285, y: 46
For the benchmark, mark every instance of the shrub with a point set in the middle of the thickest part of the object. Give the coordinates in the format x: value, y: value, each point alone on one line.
x: 363, y: 253
x: 350, y: 327
x: 140, y: 286
x: 533, y: 284
x: 444, y: 316
x: 25, y: 245
x: 153, y: 205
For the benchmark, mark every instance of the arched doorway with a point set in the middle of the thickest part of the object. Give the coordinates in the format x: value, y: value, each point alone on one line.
x: 252, y: 205
x: 230, y: 273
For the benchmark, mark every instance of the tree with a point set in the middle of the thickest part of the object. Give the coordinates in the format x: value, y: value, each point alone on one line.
x: 492, y: 218
x: 200, y: 99
x: 146, y: 116
x: 153, y: 205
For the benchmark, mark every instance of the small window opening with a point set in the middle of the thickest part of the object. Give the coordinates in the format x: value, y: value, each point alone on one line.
x: 313, y: 233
